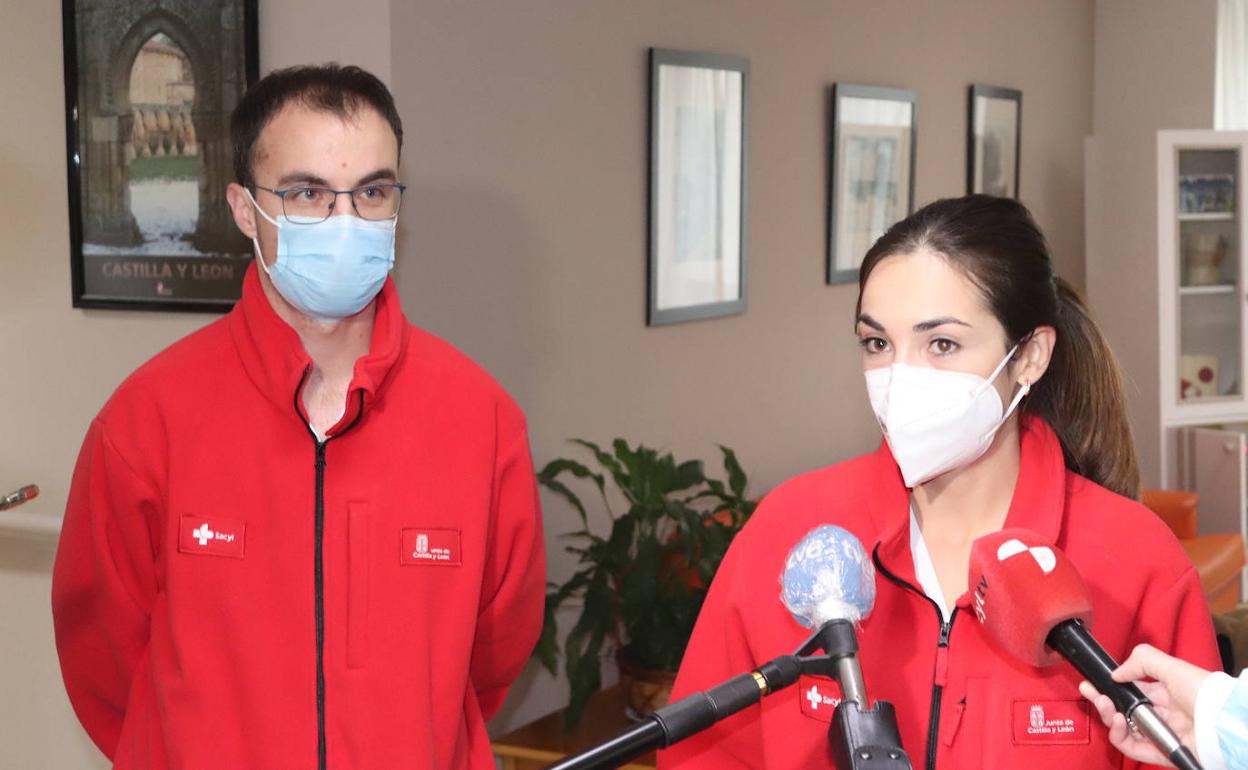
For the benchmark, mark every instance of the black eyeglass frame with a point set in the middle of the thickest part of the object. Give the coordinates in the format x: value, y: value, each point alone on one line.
x: 281, y: 194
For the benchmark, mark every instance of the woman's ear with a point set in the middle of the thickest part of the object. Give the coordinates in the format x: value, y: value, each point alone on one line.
x: 1031, y: 360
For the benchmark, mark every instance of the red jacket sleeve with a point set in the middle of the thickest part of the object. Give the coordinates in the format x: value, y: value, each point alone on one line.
x: 1177, y: 620
x: 718, y: 650
x: 103, y: 585
x: 514, y: 585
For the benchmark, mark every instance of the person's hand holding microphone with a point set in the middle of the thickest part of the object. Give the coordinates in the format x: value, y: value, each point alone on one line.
x: 1173, y: 694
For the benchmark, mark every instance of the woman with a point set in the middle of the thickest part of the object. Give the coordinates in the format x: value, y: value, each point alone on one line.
x: 959, y: 315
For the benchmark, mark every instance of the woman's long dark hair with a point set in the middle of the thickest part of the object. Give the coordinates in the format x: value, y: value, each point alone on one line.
x: 996, y: 243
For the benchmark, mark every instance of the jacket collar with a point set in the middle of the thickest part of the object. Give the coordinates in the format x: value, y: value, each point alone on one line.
x: 276, y: 363
x: 1038, y: 504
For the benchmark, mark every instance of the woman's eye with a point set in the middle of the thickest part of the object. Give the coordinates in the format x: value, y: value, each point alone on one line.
x: 943, y: 347
x: 873, y: 344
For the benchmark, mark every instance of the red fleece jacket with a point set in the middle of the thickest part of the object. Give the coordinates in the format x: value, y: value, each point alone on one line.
x: 229, y: 594
x: 961, y: 704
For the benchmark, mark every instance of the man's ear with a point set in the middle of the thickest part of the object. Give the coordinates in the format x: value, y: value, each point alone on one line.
x: 242, y: 209
x: 1033, y: 356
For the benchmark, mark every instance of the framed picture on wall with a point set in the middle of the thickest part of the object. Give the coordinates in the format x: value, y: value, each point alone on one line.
x: 871, y: 180
x: 992, y: 141
x: 699, y: 132
x: 149, y: 88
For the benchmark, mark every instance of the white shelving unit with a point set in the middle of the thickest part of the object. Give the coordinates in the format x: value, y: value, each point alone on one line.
x: 1203, y: 322
x: 1209, y: 216
x: 1217, y: 288
x: 1202, y: 280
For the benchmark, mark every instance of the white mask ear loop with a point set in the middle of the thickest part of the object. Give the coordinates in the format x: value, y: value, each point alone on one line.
x: 255, y: 242
x: 1023, y: 389
x: 997, y: 372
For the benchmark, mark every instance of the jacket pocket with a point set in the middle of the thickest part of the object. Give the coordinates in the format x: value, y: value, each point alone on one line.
x: 1034, y: 722
x: 359, y: 559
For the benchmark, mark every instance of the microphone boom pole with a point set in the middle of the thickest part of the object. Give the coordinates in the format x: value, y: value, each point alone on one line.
x: 687, y: 716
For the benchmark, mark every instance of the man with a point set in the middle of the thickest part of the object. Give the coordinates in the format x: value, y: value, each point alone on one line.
x: 308, y: 535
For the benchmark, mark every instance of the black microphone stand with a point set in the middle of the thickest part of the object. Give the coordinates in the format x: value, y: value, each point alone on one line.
x: 862, y: 731
x: 862, y: 736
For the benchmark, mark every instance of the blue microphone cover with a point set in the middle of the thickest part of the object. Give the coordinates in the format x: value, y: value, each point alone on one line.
x: 828, y: 576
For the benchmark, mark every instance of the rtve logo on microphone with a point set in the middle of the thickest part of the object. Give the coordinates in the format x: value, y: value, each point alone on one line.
x: 1043, y: 555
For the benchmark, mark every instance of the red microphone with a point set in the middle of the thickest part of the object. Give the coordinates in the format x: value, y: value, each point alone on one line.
x: 28, y: 492
x: 1034, y: 605
x: 1023, y: 589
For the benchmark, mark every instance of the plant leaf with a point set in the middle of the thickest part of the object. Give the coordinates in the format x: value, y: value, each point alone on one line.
x: 688, y: 474
x: 547, y: 650
x: 736, y: 476
x: 610, y: 463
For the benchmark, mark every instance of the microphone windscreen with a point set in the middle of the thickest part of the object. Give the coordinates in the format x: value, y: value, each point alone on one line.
x: 828, y: 576
x: 1023, y: 588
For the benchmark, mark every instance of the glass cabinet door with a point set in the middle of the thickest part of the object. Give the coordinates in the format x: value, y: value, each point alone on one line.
x: 1210, y: 302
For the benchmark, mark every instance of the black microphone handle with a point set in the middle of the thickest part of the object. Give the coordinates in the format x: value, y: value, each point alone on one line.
x: 1089, y: 658
x: 687, y: 716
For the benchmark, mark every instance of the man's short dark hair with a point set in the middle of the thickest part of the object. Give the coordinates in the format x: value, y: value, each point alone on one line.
x: 330, y: 88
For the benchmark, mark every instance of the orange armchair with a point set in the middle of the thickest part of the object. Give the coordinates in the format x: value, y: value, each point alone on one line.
x: 1218, y: 558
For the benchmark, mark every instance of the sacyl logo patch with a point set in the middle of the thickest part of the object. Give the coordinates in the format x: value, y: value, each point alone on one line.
x: 203, y: 536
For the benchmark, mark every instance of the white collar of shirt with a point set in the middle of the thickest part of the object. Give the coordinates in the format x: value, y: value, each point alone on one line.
x: 321, y: 437
x: 924, y: 570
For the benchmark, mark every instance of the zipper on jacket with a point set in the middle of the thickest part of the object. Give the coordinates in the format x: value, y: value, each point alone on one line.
x: 938, y: 686
x: 318, y: 572
x: 942, y: 658
x: 318, y: 561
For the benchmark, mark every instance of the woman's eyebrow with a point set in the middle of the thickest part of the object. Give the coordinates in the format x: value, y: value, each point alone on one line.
x: 863, y: 318
x: 924, y: 326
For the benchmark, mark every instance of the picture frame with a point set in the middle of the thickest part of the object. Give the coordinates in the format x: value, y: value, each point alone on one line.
x: 872, y: 148
x: 994, y: 140
x: 699, y: 150
x: 149, y: 89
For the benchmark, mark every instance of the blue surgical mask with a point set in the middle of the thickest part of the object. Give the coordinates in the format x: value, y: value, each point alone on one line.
x: 330, y: 269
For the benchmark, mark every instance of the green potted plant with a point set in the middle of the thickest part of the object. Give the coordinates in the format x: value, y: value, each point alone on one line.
x: 643, y: 582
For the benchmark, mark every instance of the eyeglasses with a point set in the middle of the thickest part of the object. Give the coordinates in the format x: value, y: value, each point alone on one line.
x: 311, y: 205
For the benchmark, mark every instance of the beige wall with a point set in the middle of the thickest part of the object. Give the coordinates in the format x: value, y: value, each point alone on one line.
x: 524, y: 237
x: 526, y: 221
x: 61, y: 364
x: 1154, y: 69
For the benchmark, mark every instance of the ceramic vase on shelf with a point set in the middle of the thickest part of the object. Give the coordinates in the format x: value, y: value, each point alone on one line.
x: 1198, y: 376
x: 1203, y: 254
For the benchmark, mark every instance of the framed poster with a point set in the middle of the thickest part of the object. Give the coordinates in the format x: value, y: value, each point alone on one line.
x: 699, y: 131
x: 149, y: 88
x: 992, y: 141
x: 871, y: 180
